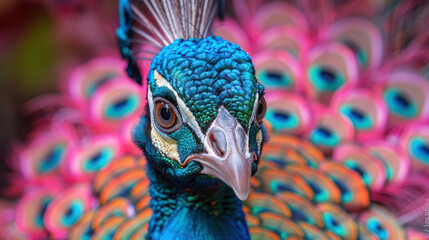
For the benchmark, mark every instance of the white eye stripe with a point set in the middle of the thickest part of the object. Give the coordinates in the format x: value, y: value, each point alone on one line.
x: 255, y: 107
x: 187, y: 115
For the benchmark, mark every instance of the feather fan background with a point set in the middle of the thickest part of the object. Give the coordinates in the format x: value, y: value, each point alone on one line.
x: 347, y: 85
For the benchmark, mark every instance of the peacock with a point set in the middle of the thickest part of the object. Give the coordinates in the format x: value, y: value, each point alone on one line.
x: 257, y: 120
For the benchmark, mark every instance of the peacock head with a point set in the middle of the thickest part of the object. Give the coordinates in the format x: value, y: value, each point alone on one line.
x: 205, y: 112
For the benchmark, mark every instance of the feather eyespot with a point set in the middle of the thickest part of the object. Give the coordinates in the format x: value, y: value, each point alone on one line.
x: 166, y: 116
x: 262, y: 109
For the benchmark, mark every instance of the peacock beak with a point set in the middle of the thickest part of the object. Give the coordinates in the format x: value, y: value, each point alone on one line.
x: 228, y: 157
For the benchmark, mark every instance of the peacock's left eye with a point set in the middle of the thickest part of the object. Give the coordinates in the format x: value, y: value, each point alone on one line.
x: 262, y: 109
x: 166, y: 116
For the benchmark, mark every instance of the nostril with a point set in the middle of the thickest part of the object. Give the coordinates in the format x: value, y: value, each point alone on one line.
x: 215, y: 146
x: 217, y: 142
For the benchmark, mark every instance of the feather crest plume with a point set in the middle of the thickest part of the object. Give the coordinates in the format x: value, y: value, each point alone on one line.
x: 146, y: 26
x: 160, y: 22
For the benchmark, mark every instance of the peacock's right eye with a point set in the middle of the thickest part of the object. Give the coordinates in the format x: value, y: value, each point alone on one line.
x: 166, y: 116
x: 262, y: 109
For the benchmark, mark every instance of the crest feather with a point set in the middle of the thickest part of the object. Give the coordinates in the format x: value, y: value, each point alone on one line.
x: 160, y: 22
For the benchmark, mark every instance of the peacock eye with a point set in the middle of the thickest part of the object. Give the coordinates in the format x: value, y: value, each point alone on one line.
x: 262, y: 109
x: 166, y: 116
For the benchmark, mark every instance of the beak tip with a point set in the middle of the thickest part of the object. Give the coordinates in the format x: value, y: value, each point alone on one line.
x: 242, y: 196
x: 242, y: 191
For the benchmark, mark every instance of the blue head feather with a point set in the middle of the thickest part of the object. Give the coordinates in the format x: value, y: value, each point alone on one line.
x: 123, y: 33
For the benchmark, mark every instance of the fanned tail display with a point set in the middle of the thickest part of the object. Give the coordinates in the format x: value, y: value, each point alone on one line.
x: 345, y: 149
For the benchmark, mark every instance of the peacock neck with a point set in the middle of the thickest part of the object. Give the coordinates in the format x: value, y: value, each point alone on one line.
x: 181, y: 212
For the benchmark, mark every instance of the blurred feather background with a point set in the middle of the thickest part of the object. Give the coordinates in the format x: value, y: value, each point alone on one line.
x: 40, y: 40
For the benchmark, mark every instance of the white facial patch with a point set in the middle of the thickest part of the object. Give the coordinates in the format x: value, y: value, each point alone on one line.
x: 259, y: 140
x: 252, y: 119
x: 255, y: 107
x: 165, y: 145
